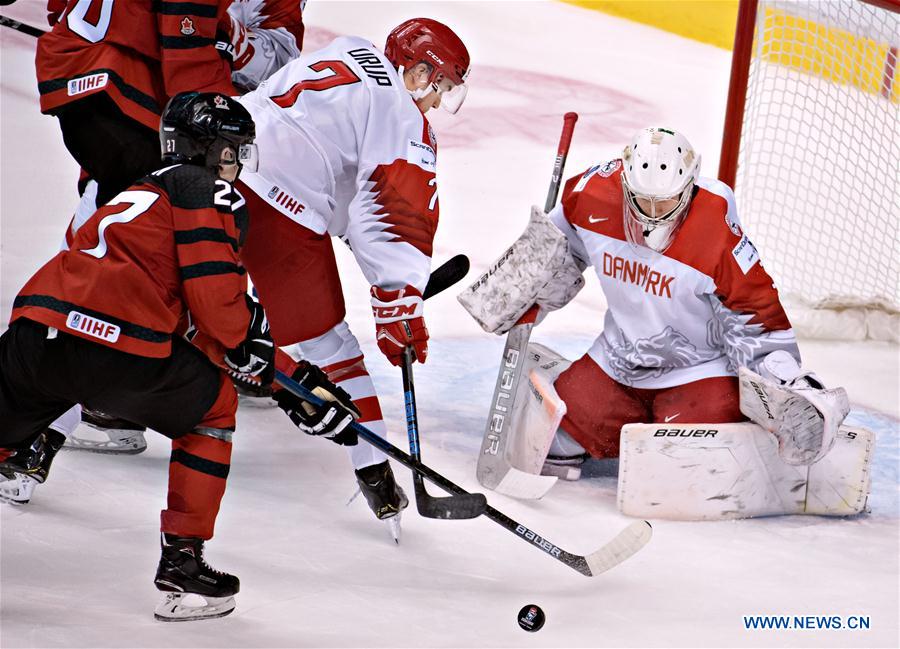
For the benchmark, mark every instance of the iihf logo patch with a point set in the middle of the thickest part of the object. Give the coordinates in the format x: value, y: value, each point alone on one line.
x: 610, y: 168
x: 187, y: 26
x: 273, y: 192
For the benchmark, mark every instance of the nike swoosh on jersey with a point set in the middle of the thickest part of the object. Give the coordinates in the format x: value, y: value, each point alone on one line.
x: 670, y: 418
x: 591, y: 219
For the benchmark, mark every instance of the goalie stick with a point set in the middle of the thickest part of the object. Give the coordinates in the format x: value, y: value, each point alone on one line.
x: 494, y: 469
x: 621, y: 547
x: 455, y: 507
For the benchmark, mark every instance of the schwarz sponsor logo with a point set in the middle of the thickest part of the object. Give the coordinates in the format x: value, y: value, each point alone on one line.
x: 537, y: 540
x: 505, y: 386
x: 86, y: 84
x: 371, y: 65
x: 419, y: 153
x: 685, y: 432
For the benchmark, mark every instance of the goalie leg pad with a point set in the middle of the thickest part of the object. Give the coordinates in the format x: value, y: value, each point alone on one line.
x: 511, y: 459
x: 538, y: 410
x: 729, y: 471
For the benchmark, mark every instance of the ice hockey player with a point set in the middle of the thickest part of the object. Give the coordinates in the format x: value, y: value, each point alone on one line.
x: 97, y: 325
x: 347, y: 151
x: 689, y: 306
x: 107, y: 69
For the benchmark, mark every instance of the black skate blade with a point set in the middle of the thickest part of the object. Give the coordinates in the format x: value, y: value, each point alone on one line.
x: 458, y: 507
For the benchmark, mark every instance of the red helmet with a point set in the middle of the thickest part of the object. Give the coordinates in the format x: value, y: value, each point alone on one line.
x: 423, y: 39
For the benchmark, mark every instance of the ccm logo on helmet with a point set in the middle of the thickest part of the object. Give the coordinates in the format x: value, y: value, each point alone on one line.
x: 435, y: 57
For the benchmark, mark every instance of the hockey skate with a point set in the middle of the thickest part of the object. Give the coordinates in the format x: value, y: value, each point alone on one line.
x: 28, y: 467
x: 384, y: 495
x: 107, y: 434
x: 193, y: 590
x: 564, y: 467
x: 564, y: 458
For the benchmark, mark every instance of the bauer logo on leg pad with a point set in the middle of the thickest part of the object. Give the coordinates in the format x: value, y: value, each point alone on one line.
x: 682, y: 432
x: 92, y: 326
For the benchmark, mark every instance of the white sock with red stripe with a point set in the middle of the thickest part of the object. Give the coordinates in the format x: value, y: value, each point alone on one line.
x: 338, y: 353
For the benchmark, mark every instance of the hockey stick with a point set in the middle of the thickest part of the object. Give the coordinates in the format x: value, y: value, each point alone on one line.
x: 494, y: 469
x: 446, y: 275
x: 622, y: 546
x: 21, y: 27
x: 452, y: 507
x: 459, y: 506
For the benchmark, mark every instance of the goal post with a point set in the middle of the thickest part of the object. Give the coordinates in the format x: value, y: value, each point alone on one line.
x: 811, y: 145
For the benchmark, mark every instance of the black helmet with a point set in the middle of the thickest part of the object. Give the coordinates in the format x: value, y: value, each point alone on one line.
x: 196, y: 127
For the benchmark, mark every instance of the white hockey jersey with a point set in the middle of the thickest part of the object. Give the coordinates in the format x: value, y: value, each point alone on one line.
x: 702, y: 308
x: 343, y: 148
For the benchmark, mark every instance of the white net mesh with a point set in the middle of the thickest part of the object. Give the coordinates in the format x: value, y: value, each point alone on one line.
x: 818, y: 178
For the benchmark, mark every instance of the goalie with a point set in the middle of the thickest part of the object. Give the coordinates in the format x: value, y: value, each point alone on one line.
x: 694, y: 333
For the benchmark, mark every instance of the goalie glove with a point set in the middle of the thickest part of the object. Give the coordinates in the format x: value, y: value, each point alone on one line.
x: 332, y: 419
x: 794, y: 406
x: 399, y: 323
x: 252, y: 363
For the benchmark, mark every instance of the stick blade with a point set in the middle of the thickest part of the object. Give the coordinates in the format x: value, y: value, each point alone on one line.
x: 446, y: 275
x: 526, y: 486
x: 457, y: 507
x: 622, y: 547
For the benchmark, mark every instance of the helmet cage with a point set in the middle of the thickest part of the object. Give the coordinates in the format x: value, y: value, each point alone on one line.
x: 657, y: 216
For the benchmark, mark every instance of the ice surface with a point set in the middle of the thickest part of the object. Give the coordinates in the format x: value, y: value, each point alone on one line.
x: 76, y: 565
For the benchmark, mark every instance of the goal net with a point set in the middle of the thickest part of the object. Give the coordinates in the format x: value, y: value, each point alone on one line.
x: 812, y: 148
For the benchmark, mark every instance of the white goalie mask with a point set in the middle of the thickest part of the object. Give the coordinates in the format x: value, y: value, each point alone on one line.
x: 660, y: 169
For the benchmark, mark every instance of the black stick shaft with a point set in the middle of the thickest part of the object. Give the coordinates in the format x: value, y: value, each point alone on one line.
x: 21, y: 27
x: 574, y: 561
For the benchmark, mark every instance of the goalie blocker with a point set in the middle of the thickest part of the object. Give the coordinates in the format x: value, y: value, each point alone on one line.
x: 727, y: 471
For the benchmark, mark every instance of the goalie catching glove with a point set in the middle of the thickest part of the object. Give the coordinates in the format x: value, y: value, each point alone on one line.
x: 252, y: 363
x: 794, y: 406
x: 332, y: 419
x: 399, y: 323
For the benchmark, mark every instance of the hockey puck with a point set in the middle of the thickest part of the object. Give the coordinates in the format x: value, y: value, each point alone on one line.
x: 531, y: 618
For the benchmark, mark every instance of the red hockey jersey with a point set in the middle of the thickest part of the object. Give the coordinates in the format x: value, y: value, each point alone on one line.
x: 166, y: 245
x: 139, y: 52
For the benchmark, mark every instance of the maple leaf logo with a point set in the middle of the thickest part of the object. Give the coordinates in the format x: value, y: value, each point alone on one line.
x: 187, y: 26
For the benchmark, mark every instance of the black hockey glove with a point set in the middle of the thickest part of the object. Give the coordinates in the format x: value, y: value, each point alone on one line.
x: 253, y: 361
x: 332, y: 419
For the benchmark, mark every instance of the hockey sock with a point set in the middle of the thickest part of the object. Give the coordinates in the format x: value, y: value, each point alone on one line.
x: 198, y: 470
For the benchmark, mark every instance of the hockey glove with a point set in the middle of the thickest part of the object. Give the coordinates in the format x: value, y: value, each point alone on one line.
x: 332, y: 419
x: 794, y: 406
x: 399, y: 323
x: 253, y: 361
